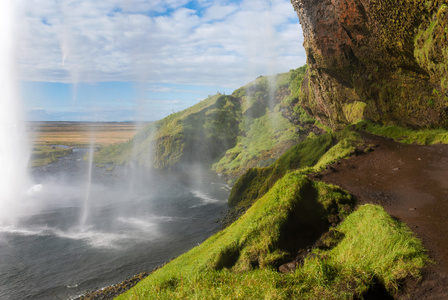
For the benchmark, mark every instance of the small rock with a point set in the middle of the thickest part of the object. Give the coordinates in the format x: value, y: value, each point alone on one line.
x: 412, y: 209
x: 288, y: 267
x: 396, y: 169
x: 419, y: 158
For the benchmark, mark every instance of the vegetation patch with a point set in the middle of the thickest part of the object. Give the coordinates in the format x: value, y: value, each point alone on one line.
x: 115, y: 154
x: 199, y: 133
x: 43, y: 155
x: 311, y: 155
x: 431, y: 50
x: 375, y: 250
x: 229, y: 133
x: 266, y: 138
x: 354, y: 112
x: 295, y: 206
x: 241, y: 261
x: 406, y: 135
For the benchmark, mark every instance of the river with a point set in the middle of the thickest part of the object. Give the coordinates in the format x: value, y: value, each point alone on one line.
x: 80, y: 233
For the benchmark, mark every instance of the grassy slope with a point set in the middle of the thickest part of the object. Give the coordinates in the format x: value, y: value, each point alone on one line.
x: 239, y: 262
x: 406, y: 135
x: 162, y: 143
x: 311, y: 155
x: 252, y: 127
x: 266, y: 133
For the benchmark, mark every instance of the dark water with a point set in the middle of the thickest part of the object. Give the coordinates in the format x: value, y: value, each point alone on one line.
x: 77, y: 234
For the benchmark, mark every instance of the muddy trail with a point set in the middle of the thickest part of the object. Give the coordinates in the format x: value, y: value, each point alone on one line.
x: 411, y: 183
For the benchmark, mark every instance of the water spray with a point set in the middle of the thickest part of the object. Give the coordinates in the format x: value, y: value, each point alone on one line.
x: 14, y: 151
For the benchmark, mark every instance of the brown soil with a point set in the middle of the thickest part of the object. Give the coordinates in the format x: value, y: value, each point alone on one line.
x: 411, y: 183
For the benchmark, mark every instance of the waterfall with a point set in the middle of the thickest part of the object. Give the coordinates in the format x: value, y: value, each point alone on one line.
x: 14, y: 151
x: 86, y: 202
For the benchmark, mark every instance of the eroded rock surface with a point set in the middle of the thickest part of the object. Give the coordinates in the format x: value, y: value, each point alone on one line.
x: 383, y: 60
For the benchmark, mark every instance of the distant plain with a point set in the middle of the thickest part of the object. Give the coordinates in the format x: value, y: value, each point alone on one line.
x: 80, y: 134
x: 51, y: 140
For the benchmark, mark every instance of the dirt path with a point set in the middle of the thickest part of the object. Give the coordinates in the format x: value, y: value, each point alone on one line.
x: 411, y: 183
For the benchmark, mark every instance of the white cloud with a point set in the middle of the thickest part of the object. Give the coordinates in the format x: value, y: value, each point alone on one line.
x: 223, y: 43
x: 219, y: 12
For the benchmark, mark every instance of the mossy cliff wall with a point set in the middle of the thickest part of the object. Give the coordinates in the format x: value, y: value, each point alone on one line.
x: 382, y: 60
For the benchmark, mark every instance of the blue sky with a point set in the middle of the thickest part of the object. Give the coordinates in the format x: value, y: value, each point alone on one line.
x: 116, y: 60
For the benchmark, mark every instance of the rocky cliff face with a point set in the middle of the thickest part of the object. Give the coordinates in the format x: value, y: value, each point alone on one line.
x: 382, y: 60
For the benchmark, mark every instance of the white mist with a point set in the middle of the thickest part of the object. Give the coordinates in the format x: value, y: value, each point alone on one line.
x: 86, y: 203
x: 14, y: 152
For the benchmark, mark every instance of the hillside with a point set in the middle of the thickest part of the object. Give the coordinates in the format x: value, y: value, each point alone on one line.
x: 300, y: 239
x: 228, y: 133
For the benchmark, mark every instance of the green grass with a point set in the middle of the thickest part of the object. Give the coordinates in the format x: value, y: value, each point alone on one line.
x: 115, y: 154
x: 44, y: 155
x: 199, y: 133
x: 312, y: 155
x: 375, y: 249
x: 406, y: 135
x: 266, y: 138
x: 348, y: 141
x: 250, y: 128
x: 290, y: 212
x: 240, y: 261
x: 254, y: 241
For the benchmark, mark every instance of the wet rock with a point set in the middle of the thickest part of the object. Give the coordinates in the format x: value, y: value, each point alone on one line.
x: 232, y: 215
x: 113, y: 291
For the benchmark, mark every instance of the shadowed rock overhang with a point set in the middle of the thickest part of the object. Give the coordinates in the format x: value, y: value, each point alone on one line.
x: 381, y: 60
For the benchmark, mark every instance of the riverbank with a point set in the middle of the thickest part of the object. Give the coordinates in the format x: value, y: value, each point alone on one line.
x: 115, y: 290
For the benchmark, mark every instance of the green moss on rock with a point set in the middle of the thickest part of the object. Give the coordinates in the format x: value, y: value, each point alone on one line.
x: 313, y: 152
x: 354, y: 112
x: 390, y: 55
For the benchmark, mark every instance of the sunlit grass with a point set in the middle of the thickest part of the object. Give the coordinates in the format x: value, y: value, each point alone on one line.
x: 309, y: 156
x: 406, y: 135
x: 230, y: 133
x: 241, y: 261
x: 375, y: 249
x: 265, y: 140
x: 253, y: 242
